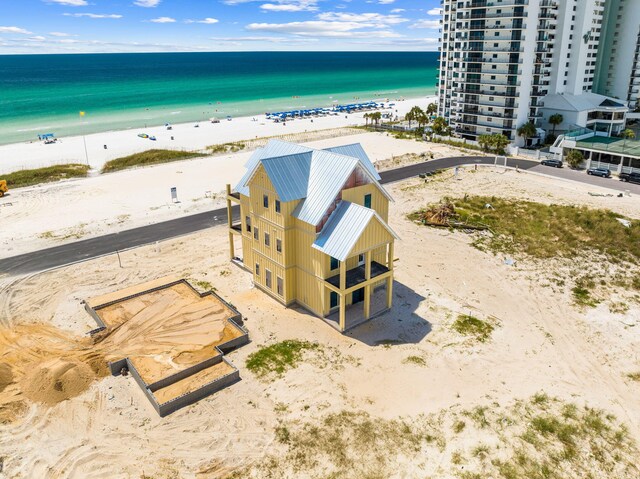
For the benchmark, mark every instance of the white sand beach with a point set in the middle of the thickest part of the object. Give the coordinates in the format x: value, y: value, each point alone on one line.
x: 56, y: 213
x: 184, y: 136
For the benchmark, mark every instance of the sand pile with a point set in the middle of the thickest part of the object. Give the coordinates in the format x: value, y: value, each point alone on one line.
x: 6, y: 376
x: 44, y: 364
x: 56, y: 380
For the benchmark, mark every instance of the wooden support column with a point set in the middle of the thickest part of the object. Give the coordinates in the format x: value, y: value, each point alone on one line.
x: 367, y: 288
x: 343, y: 286
x: 232, y: 253
x: 390, y: 278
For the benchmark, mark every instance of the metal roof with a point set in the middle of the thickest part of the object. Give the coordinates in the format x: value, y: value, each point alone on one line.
x: 344, y: 228
x: 289, y: 175
x: 329, y: 172
x: 299, y: 172
x: 272, y: 149
x: 355, y: 150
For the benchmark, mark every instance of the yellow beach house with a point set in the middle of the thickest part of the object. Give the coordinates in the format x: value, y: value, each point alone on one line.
x: 312, y: 227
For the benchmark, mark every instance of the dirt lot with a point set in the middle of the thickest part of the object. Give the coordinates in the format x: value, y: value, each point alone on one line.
x: 408, y: 378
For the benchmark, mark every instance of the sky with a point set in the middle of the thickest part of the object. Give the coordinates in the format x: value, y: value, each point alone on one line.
x: 101, y: 26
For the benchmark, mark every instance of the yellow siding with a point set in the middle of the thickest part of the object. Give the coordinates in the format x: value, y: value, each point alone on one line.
x: 374, y: 236
x: 310, y: 292
x: 302, y: 267
x: 379, y: 202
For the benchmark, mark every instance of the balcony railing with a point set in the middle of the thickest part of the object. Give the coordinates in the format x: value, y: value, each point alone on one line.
x: 357, y: 275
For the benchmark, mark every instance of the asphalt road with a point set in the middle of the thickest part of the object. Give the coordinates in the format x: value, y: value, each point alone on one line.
x: 108, y: 244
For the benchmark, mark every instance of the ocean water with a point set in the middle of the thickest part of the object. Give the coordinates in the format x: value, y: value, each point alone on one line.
x: 45, y: 93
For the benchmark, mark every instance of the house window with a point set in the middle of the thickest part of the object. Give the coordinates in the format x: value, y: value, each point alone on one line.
x: 267, y: 239
x: 257, y: 269
x: 279, y: 286
x: 277, y: 206
x: 367, y: 201
x: 267, y: 279
x: 265, y: 201
x: 334, y: 263
x: 256, y: 234
x: 333, y: 299
x: 361, y: 259
x: 247, y: 221
x: 279, y: 245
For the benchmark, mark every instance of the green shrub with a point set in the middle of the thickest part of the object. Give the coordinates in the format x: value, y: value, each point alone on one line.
x: 48, y: 174
x: 146, y: 158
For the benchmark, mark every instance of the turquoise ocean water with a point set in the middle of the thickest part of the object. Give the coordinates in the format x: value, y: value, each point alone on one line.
x: 45, y: 93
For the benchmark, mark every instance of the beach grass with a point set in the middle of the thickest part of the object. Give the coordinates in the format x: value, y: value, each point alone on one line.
x: 22, y: 178
x: 146, y: 158
x: 546, y: 231
x: 279, y: 357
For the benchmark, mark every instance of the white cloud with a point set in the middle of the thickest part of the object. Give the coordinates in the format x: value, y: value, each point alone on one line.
x: 281, y: 5
x: 70, y: 3
x: 147, y: 3
x: 323, y: 29
x: 92, y: 15
x: 60, y: 34
x: 435, y: 11
x: 206, y: 21
x: 385, y: 2
x: 374, y: 19
x: 22, y: 31
x: 37, y: 38
x: 163, y: 20
x: 235, y: 40
x: 290, y: 7
x: 398, y: 10
x: 432, y: 24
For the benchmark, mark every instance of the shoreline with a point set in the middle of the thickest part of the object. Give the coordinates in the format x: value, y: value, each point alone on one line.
x: 108, y: 145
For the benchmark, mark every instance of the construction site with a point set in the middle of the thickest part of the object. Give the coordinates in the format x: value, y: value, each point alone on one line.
x: 171, y: 338
x: 127, y: 365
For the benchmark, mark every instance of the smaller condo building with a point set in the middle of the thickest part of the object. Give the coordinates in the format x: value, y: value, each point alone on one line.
x: 313, y: 230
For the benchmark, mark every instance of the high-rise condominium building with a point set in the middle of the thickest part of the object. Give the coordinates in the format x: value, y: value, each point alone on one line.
x: 502, y: 59
x: 618, y: 72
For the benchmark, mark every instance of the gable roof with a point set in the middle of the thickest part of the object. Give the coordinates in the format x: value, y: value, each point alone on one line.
x: 583, y: 102
x: 355, y: 150
x: 316, y: 176
x: 344, y: 228
x: 274, y: 148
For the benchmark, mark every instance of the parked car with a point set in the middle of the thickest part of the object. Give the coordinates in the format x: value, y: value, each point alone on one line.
x: 630, y: 177
x: 554, y: 163
x: 603, y: 172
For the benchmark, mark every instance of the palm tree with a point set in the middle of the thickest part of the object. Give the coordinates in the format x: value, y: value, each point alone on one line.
x: 555, y: 120
x: 526, y: 131
x: 432, y: 109
x: 413, y: 114
x: 366, y: 117
x: 376, y: 116
x: 574, y: 158
x: 627, y: 134
x: 499, y: 142
x: 484, y: 141
x: 440, y: 126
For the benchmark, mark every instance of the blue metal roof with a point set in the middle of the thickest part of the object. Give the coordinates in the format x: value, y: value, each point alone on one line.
x: 289, y: 175
x: 315, y: 176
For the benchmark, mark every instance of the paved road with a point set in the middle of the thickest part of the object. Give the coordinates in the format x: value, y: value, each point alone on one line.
x: 103, y: 245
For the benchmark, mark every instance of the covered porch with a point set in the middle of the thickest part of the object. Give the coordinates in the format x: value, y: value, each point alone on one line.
x: 368, y: 288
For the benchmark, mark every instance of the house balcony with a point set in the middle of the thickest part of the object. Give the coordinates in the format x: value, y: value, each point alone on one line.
x: 357, y: 276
